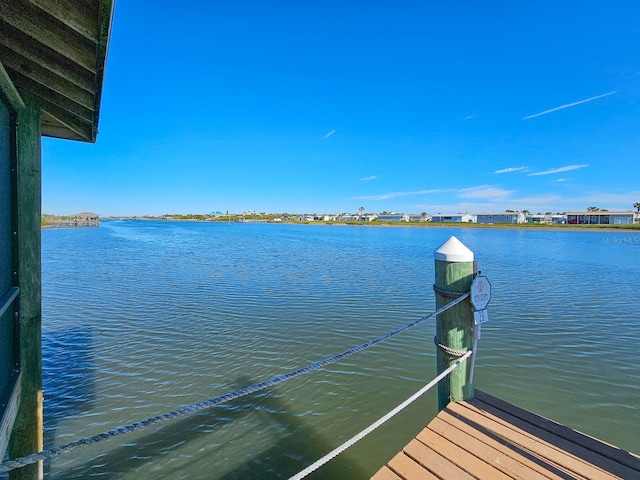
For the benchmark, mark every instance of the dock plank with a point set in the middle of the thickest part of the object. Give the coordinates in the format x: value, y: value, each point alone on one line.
x: 440, y: 466
x: 605, y: 449
x: 462, y: 458
x: 494, y: 450
x: 543, y: 446
x: 488, y: 438
x: 385, y: 473
x: 593, y: 464
x: 408, y: 469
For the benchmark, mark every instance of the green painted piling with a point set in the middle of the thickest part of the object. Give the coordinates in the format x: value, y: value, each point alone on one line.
x: 454, y: 270
x: 27, y: 434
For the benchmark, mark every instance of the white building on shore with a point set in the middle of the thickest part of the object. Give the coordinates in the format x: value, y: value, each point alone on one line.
x: 457, y: 217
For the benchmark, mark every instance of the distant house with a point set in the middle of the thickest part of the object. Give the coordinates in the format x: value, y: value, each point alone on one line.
x: 242, y: 219
x: 546, y: 218
x: 418, y: 217
x: 393, y: 217
x: 86, y: 219
x: 601, y: 218
x: 506, y: 217
x: 458, y: 218
x: 538, y: 218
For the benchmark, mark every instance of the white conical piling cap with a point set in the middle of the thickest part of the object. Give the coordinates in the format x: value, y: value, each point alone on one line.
x: 453, y: 250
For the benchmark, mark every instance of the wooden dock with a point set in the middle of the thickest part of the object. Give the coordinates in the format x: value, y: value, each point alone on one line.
x: 487, y: 438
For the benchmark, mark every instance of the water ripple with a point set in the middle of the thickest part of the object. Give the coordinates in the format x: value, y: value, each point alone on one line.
x: 140, y: 318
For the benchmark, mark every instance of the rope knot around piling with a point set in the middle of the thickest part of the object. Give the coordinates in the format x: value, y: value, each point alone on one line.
x: 448, y: 350
x: 447, y: 293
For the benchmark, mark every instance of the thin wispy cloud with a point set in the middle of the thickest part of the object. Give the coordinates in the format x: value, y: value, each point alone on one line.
x: 568, y: 105
x: 511, y: 169
x: 386, y: 196
x: 329, y: 134
x: 368, y: 179
x: 485, y: 192
x: 469, y: 117
x: 568, y: 168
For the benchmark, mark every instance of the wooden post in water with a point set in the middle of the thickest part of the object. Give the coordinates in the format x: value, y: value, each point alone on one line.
x: 454, y: 271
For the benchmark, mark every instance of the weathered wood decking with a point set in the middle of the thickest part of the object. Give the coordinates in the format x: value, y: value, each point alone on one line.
x: 487, y: 438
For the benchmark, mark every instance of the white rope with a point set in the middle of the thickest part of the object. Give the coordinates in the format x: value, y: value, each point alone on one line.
x: 337, y: 451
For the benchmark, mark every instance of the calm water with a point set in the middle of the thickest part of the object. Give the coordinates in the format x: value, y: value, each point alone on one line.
x: 141, y: 318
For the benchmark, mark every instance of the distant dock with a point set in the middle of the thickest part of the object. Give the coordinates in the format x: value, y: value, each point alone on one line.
x: 84, y: 219
x: 488, y: 438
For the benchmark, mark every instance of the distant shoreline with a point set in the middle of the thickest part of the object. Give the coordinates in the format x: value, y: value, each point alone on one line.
x: 523, y: 226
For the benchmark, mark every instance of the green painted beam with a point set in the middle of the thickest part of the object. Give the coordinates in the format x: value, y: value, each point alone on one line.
x: 8, y: 90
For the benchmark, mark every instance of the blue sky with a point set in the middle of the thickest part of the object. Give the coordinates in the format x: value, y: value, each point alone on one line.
x: 326, y: 106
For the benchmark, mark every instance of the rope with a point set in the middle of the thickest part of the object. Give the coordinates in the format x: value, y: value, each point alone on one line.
x: 337, y: 451
x: 46, y: 454
x: 448, y: 350
x: 447, y: 293
x: 8, y: 299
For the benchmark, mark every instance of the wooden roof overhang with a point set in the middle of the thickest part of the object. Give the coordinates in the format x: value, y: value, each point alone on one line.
x: 57, y: 50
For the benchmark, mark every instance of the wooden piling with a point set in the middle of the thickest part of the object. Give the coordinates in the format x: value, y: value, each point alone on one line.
x: 454, y: 271
x: 27, y: 435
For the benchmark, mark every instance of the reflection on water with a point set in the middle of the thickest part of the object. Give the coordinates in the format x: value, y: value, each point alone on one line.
x: 141, y: 318
x: 293, y: 442
x: 69, y: 376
